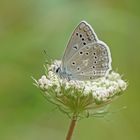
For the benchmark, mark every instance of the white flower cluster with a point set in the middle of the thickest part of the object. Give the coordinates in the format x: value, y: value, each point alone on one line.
x: 102, y: 89
x: 81, y: 98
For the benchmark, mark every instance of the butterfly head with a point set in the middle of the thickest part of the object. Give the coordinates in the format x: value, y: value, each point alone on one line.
x: 57, y: 68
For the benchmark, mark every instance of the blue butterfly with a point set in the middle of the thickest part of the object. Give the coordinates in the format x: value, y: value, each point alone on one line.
x: 85, y: 57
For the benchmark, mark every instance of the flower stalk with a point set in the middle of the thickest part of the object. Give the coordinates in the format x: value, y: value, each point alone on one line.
x: 71, y: 128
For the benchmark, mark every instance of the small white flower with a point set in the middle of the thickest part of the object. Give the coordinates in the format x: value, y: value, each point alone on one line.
x: 114, y: 76
x: 122, y: 84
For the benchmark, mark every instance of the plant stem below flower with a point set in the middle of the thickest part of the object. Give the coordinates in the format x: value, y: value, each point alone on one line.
x: 71, y: 128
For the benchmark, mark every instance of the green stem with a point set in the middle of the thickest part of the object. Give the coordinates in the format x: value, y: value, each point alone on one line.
x: 71, y: 128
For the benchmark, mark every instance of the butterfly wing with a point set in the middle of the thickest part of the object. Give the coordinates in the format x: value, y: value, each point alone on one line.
x: 82, y: 35
x: 90, y: 62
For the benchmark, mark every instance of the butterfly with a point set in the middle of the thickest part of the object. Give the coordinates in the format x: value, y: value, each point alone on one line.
x: 85, y: 57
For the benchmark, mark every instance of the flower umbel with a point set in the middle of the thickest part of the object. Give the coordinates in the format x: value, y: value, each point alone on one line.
x: 80, y: 98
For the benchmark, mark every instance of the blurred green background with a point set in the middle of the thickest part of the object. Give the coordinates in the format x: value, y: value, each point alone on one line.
x: 27, y: 27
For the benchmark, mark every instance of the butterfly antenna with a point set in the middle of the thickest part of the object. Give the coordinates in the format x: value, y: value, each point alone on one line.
x: 48, y: 59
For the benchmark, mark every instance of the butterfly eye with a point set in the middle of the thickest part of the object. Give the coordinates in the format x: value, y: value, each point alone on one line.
x: 94, y: 53
x: 93, y: 67
x: 80, y: 35
x: 80, y: 53
x: 77, y: 34
x: 83, y: 39
x: 95, y: 62
x: 95, y: 57
x: 57, y: 70
x: 87, y: 53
